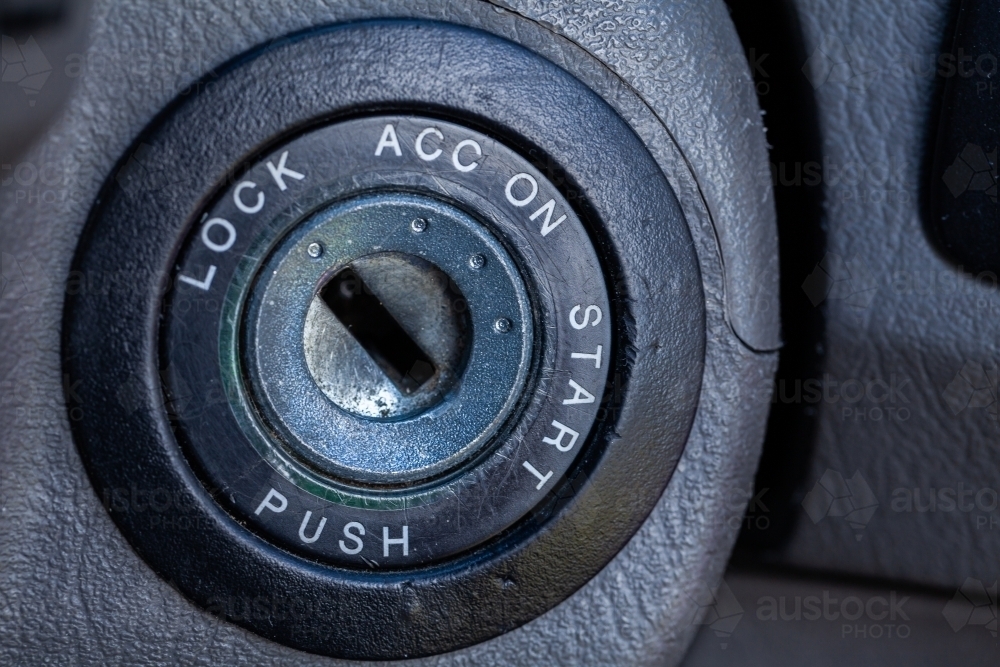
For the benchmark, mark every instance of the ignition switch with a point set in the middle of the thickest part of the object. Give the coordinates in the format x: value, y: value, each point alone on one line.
x: 414, y: 323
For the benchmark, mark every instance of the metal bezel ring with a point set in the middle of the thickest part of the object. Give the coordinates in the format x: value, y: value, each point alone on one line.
x: 362, y: 449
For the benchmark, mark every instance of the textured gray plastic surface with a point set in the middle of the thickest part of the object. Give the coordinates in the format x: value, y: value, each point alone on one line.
x: 903, y: 321
x: 779, y: 625
x: 72, y: 590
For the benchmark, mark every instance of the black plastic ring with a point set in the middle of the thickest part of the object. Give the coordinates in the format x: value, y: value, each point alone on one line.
x: 192, y: 151
x: 411, y: 525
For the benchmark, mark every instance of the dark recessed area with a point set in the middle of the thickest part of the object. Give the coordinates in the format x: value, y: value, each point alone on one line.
x: 378, y: 332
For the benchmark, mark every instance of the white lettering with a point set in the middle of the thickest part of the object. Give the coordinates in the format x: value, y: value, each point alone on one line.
x: 576, y: 324
x: 200, y: 284
x: 547, y: 224
x: 358, y: 544
x: 581, y: 395
x: 239, y: 202
x: 557, y: 441
x: 281, y: 171
x: 230, y: 235
x: 510, y: 187
x: 319, y: 529
x: 272, y: 495
x: 459, y: 147
x: 388, y: 140
x: 542, y: 478
x: 424, y: 155
x: 596, y: 357
x: 404, y: 540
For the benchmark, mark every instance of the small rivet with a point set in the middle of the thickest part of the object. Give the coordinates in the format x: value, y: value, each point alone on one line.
x: 477, y: 261
x: 418, y: 225
x: 314, y: 249
x: 502, y: 325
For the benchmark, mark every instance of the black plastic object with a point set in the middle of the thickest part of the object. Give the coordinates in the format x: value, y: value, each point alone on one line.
x: 485, y: 488
x: 964, y: 215
x: 110, y: 338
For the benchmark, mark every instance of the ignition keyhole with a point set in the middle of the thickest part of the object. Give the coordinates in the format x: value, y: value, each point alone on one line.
x: 378, y: 332
x: 387, y: 336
